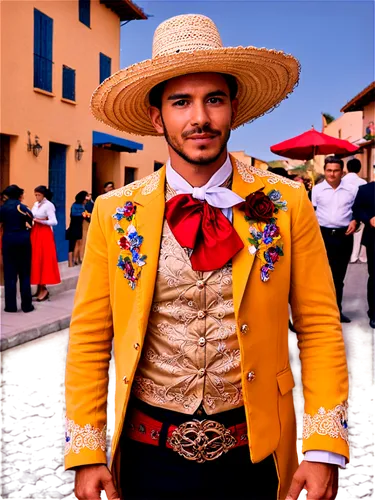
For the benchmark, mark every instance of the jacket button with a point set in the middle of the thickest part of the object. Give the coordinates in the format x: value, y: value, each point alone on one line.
x: 136, y: 346
x: 201, y: 314
x: 244, y: 329
x: 125, y: 380
x: 250, y: 376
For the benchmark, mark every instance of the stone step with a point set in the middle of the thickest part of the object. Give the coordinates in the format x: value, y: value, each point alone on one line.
x: 48, y: 317
x: 69, y: 278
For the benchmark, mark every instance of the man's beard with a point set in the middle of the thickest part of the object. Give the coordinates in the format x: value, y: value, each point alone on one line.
x: 202, y: 161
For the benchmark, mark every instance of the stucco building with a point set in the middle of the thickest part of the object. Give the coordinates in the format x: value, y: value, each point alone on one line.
x: 54, y: 54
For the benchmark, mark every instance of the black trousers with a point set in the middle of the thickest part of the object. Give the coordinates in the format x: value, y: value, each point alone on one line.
x: 17, y: 264
x: 370, y: 250
x: 158, y: 473
x: 339, y: 248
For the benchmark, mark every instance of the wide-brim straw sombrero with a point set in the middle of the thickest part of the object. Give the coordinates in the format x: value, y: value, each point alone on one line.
x: 188, y: 44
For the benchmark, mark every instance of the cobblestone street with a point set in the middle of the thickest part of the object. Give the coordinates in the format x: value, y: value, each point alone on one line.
x: 33, y: 410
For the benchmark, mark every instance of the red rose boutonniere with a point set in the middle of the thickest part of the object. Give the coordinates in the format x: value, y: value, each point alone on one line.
x: 265, y: 241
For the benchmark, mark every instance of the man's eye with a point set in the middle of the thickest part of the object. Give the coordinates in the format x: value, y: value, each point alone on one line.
x: 214, y: 100
x: 180, y: 103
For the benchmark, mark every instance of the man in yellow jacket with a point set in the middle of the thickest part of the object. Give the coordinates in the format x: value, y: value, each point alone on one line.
x: 189, y: 273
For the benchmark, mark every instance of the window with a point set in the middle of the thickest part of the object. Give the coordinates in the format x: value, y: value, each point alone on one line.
x: 84, y: 12
x: 69, y: 83
x: 129, y: 175
x: 105, y: 67
x: 43, y: 31
x: 157, y: 165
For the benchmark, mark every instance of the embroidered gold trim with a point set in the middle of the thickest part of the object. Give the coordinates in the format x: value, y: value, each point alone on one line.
x: 149, y: 184
x: 247, y: 173
x: 331, y: 423
x: 77, y: 437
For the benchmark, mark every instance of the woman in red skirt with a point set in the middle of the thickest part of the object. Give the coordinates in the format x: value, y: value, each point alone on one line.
x: 44, y: 266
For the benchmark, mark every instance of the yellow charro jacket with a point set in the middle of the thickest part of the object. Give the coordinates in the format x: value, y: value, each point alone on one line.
x: 107, y: 308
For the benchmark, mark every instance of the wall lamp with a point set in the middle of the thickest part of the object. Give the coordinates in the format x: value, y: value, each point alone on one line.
x: 79, y: 151
x: 36, y: 148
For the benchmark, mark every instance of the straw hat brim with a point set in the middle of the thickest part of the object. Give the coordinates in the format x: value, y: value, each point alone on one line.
x: 265, y: 77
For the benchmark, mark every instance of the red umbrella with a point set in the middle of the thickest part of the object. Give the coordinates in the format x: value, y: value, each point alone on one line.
x: 311, y: 143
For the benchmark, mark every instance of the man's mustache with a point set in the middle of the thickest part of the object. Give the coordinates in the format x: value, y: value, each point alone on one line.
x: 200, y: 130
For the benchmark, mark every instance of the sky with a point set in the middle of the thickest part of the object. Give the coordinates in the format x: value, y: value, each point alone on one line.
x: 333, y: 40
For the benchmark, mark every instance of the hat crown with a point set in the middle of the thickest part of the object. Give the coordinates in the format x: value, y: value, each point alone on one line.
x: 185, y: 33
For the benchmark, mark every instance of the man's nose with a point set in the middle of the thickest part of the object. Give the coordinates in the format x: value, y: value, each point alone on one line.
x: 199, y: 115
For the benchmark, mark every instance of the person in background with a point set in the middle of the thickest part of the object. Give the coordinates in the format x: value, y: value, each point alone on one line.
x: 44, y: 266
x: 352, y: 179
x: 364, y: 211
x: 16, y: 220
x: 89, y: 203
x: 109, y: 186
x: 333, y: 203
x: 74, y: 231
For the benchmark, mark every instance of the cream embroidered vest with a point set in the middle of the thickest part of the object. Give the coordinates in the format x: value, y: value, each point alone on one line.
x: 191, y: 355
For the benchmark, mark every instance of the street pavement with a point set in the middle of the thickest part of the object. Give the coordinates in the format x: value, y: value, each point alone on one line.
x: 32, y: 400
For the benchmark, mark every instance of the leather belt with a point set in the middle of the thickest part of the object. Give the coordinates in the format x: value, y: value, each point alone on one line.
x: 338, y: 231
x: 199, y: 440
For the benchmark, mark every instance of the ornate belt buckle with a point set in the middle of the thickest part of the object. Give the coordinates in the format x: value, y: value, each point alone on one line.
x: 201, y: 440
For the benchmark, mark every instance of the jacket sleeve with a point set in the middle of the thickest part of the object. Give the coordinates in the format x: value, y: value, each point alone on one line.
x: 322, y: 351
x: 359, y: 208
x: 89, y: 353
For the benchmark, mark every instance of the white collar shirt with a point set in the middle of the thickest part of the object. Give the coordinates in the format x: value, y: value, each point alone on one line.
x: 353, y: 179
x: 333, y: 206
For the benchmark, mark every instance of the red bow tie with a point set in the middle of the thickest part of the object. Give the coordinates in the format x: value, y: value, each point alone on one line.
x: 203, y: 228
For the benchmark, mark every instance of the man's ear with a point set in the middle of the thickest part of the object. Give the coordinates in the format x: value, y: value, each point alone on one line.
x: 155, y: 116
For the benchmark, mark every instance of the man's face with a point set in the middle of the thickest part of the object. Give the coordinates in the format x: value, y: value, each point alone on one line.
x: 110, y: 187
x: 333, y: 173
x: 196, y: 116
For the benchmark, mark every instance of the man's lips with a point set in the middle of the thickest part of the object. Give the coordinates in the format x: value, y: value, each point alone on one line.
x: 202, y: 138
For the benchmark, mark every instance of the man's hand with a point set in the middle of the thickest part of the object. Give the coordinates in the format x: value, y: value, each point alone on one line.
x: 351, y: 228
x: 91, y: 480
x: 320, y: 481
x: 372, y: 222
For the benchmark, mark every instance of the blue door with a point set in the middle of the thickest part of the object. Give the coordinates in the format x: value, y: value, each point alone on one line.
x: 57, y: 184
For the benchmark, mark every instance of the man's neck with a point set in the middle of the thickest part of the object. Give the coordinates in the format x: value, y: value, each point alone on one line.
x: 196, y: 175
x: 334, y: 185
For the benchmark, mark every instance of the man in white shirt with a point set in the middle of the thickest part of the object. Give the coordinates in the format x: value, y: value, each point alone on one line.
x: 352, y: 179
x: 333, y: 201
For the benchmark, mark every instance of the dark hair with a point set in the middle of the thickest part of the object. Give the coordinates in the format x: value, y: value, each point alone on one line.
x: 109, y: 183
x: 279, y: 171
x: 156, y: 93
x: 333, y: 159
x: 81, y: 196
x: 354, y: 165
x: 44, y: 191
x: 13, y: 192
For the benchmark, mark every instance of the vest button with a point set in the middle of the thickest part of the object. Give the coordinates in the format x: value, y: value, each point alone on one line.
x: 201, y: 314
x: 250, y: 376
x: 200, y: 284
x: 244, y: 329
x: 136, y: 346
x: 201, y: 372
x: 202, y: 341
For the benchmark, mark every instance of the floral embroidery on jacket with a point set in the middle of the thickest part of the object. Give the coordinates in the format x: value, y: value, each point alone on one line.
x: 77, y: 437
x: 333, y: 423
x: 130, y: 260
x: 265, y: 240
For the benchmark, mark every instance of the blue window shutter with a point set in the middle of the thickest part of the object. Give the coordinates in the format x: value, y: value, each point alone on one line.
x: 84, y: 12
x: 105, y: 67
x: 43, y: 39
x: 69, y: 83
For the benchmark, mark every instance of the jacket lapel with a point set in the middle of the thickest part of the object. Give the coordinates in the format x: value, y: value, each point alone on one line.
x: 150, y: 216
x: 244, y: 183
